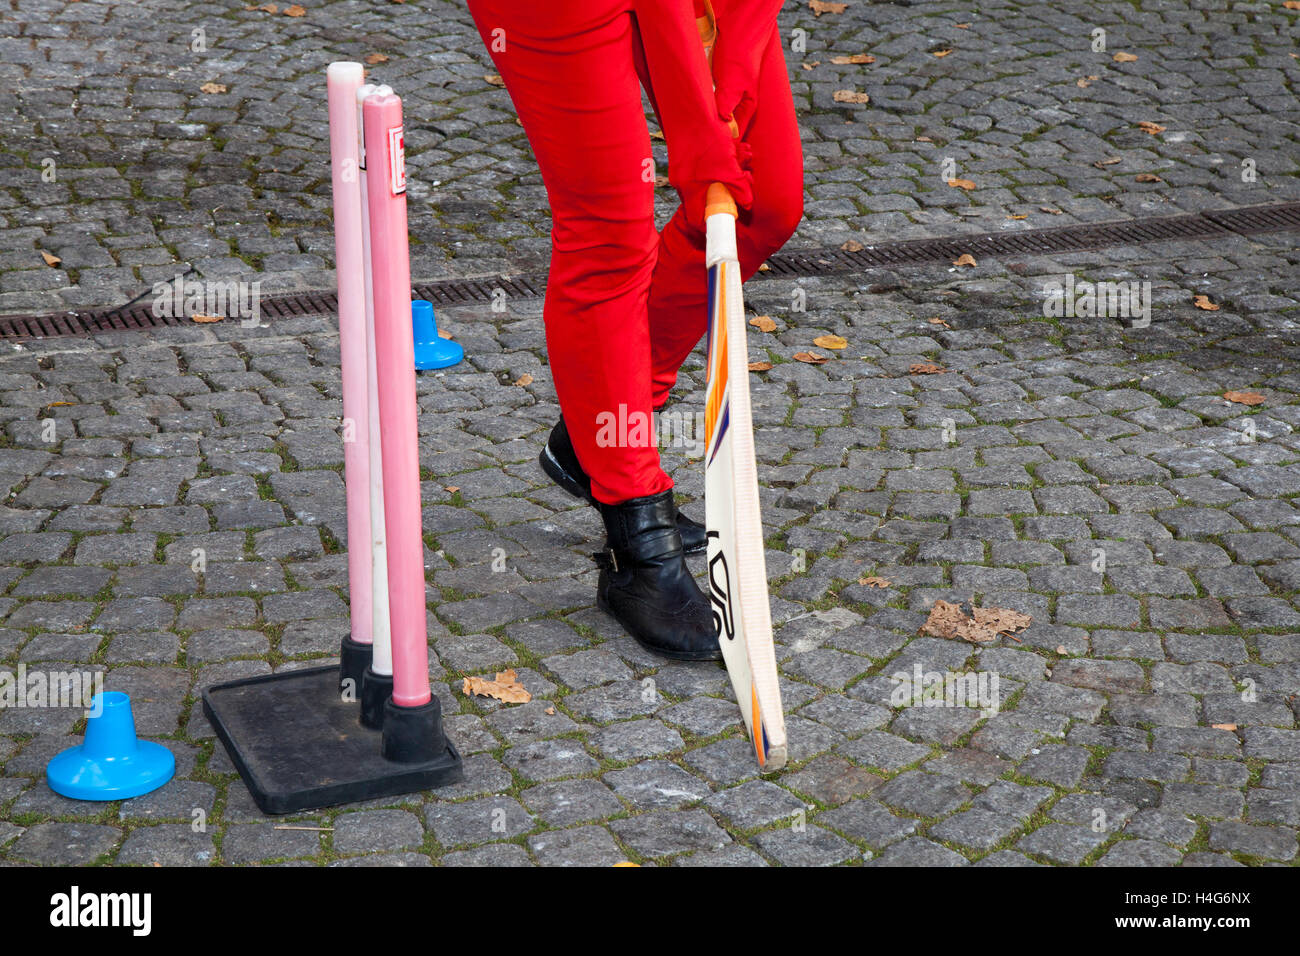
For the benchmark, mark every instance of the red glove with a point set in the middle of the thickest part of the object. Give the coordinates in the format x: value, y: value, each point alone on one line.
x: 745, y: 28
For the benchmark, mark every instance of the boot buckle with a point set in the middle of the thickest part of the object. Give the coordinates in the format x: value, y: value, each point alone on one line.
x: 607, y: 559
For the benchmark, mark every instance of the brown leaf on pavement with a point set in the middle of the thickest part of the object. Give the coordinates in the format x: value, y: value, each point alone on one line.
x: 297, y: 10
x: 965, y: 259
x: 1003, y: 620
x: 494, y: 79
x: 852, y: 245
x: 374, y: 58
x: 50, y: 258
x: 874, y: 582
x: 763, y: 323
x: 524, y: 379
x: 212, y: 88
x: 1148, y: 178
x: 505, y: 688
x: 810, y: 358
x: 1123, y: 57
x: 1147, y: 126
x: 818, y: 7
x: 855, y: 58
x: 851, y: 96
x: 1101, y: 163
x: 1245, y: 398
x: 961, y: 184
x: 831, y: 342
x: 925, y: 368
x: 1203, y: 302
x: 760, y: 366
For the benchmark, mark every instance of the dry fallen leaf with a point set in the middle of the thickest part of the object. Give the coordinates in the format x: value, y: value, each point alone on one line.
x: 925, y: 368
x: 874, y: 582
x: 494, y: 79
x: 1203, y: 302
x: 1232, y: 726
x: 297, y: 10
x: 965, y: 259
x: 505, y: 688
x: 1108, y: 162
x: 269, y: 8
x: 938, y: 321
x: 760, y: 366
x: 1123, y: 57
x: 811, y: 358
x: 1083, y: 83
x: 1245, y: 398
x: 524, y: 379
x: 657, y: 134
x: 942, y: 52
x: 50, y: 258
x: 1147, y: 126
x: 852, y: 245
x: 924, y: 139
x: 1292, y: 4
x: 444, y: 334
x: 764, y: 268
x: 818, y: 7
x: 947, y: 620
x: 1049, y: 209
x: 1060, y: 649
x: 961, y: 184
x: 200, y: 317
x: 212, y: 88
x: 1018, y: 216
x: 763, y: 323
x: 452, y: 489
x: 550, y: 711
x: 1148, y: 178
x: 374, y: 58
x: 831, y: 342
x: 806, y: 66
x: 851, y: 96
x: 962, y: 26
x: 1003, y: 620
x: 855, y: 58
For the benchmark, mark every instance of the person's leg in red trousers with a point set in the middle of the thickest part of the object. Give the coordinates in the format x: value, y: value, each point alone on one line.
x: 570, y: 73
x: 679, y: 292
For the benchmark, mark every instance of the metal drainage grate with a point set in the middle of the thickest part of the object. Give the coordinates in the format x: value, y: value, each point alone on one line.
x: 1244, y: 221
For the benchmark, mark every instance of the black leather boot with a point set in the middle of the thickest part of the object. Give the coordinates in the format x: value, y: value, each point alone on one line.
x: 645, y: 585
x: 560, y: 462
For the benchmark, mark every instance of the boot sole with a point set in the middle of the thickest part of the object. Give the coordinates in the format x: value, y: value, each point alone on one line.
x: 555, y: 471
x: 712, y: 654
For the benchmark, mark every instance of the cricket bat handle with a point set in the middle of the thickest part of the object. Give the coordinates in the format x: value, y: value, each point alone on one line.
x: 718, y: 200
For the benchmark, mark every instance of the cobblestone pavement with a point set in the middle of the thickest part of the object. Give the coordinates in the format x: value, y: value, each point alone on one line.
x: 1086, y: 471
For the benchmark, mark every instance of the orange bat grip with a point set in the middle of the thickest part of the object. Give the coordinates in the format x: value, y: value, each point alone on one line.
x: 718, y: 199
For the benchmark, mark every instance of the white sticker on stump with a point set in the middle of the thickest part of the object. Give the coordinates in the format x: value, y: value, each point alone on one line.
x: 397, y: 160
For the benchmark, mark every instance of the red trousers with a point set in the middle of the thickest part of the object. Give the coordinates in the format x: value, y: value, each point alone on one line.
x: 625, y: 303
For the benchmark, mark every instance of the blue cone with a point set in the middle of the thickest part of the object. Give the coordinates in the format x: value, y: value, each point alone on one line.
x: 430, y: 350
x: 112, y: 764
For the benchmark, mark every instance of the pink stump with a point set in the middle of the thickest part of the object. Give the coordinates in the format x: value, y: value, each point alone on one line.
x: 395, y: 365
x: 343, y: 79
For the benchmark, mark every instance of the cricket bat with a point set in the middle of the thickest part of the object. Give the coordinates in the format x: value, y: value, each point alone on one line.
x: 737, y: 572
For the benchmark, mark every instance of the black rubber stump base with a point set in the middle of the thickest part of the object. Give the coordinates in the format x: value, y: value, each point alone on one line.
x: 299, y: 746
x: 354, y: 659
